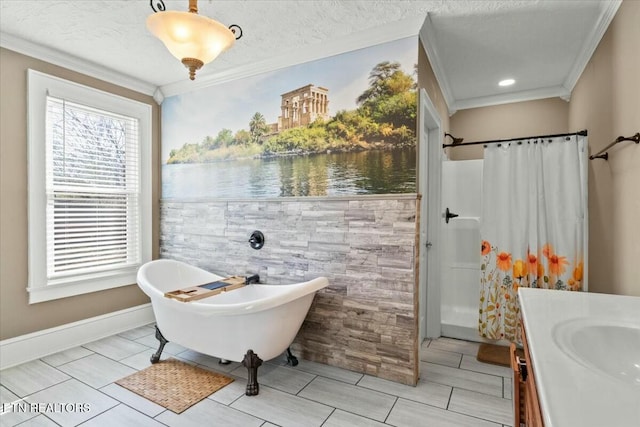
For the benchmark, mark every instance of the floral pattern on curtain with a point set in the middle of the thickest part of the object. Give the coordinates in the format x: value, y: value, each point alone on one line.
x: 534, y: 226
x: 502, y: 276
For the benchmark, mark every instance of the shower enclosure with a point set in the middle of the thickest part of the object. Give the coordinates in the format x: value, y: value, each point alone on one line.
x: 460, y: 256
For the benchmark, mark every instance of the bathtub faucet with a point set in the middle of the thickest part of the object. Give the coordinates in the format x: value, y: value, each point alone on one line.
x: 252, y: 279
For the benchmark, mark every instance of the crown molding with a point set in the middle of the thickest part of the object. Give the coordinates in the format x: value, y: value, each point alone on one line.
x: 371, y: 37
x: 608, y: 11
x: 427, y: 36
x: 74, y: 63
x: 158, y: 96
x: 507, y: 98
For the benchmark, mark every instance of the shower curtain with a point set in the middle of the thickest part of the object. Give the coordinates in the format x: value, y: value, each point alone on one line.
x: 533, y: 225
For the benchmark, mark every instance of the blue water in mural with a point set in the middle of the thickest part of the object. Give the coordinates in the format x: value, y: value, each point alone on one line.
x: 333, y: 174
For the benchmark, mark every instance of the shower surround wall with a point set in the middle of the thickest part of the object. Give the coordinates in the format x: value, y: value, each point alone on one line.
x: 366, y: 320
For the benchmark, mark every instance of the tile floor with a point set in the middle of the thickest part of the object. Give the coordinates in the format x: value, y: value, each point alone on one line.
x: 455, y: 390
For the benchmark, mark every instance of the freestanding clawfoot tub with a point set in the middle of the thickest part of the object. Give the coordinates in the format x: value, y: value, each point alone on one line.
x: 248, y: 325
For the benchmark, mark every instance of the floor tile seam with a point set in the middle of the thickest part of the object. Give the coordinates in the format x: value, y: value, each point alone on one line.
x: 277, y: 387
x: 485, y: 373
x: 38, y: 391
x: 32, y: 418
x: 97, y: 415
x: 99, y: 387
x: 335, y: 408
x: 75, y: 360
x: 397, y: 396
x: 118, y: 402
x: 62, y: 351
x: 391, y: 409
x: 450, y: 350
x: 210, y: 397
x: 115, y: 336
x: 469, y: 370
x: 458, y: 353
x: 152, y: 332
x: 330, y: 378
x: 306, y: 385
x: 449, y: 399
x: 211, y: 369
x: 449, y: 410
x: 110, y: 358
x: 441, y: 364
x: 447, y: 351
x: 329, y: 416
x: 484, y: 394
x: 54, y: 367
x: 135, y: 340
x: 161, y: 412
x: 467, y: 389
x: 504, y: 387
x: 126, y: 404
x: 88, y: 385
x: 350, y: 412
x: 132, y: 355
x: 20, y: 399
x: 239, y: 410
x: 475, y: 416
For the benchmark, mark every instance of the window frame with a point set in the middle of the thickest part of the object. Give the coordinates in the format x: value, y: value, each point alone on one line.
x: 39, y: 85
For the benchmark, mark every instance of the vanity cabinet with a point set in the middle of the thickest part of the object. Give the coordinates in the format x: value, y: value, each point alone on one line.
x: 525, y: 395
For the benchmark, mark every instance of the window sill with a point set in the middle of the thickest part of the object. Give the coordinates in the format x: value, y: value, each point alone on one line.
x: 53, y: 291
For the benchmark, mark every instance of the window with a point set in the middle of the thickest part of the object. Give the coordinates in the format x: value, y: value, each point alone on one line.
x: 89, y: 188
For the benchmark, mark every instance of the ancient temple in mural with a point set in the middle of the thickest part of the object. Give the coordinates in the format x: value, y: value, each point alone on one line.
x: 300, y: 107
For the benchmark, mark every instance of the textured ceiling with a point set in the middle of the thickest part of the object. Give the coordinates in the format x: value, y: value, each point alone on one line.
x: 477, y: 41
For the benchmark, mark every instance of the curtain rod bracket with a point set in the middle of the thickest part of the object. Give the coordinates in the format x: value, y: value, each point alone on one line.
x: 603, y: 154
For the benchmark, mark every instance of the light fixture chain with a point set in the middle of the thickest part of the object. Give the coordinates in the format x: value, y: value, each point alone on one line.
x: 160, y: 6
x: 236, y: 30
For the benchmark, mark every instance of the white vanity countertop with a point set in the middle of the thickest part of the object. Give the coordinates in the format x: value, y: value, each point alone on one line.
x: 572, y: 390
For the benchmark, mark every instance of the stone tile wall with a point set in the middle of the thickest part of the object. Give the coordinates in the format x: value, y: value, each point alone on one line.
x: 366, y: 320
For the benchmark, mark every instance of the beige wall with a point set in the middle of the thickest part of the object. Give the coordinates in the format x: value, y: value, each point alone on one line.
x: 540, y: 117
x: 427, y: 81
x: 606, y: 101
x: 17, y: 317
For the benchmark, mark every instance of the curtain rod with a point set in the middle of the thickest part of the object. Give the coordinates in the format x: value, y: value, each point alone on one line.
x: 498, y: 141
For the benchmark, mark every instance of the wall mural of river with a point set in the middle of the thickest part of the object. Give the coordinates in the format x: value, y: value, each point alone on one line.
x: 338, y: 126
x: 335, y: 174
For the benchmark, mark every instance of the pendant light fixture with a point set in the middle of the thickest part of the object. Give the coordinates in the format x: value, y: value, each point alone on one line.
x: 194, y: 39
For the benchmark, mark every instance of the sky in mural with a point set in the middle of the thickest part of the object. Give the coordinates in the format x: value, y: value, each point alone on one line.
x: 190, y: 117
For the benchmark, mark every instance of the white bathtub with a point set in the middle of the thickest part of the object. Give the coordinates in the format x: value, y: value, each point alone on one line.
x: 261, y: 318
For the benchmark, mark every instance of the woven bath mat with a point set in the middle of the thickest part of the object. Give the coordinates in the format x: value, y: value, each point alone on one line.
x: 496, y: 354
x: 173, y: 384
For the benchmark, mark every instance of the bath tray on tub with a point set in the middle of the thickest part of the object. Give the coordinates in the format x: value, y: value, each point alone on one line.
x: 194, y: 293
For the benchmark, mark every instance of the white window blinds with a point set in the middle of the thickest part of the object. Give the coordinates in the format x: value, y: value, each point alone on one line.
x: 92, y: 190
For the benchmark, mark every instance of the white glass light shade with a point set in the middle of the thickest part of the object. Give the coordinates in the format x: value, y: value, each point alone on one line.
x: 189, y: 35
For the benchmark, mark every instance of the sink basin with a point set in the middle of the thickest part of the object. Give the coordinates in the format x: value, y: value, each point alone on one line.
x: 610, y: 347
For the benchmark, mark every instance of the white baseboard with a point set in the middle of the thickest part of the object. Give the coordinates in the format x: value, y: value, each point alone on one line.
x: 14, y: 351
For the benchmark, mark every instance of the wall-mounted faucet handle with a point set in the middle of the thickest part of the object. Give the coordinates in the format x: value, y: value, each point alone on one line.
x: 255, y: 278
x: 256, y: 240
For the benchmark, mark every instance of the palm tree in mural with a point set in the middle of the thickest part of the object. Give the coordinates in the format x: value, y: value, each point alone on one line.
x: 257, y: 127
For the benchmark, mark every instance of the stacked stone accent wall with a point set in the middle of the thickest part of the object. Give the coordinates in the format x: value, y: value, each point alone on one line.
x: 366, y: 319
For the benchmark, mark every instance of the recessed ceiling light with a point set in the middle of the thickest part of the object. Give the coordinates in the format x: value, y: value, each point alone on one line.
x: 506, y: 82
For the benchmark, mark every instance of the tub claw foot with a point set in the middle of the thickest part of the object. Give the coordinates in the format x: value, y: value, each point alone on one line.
x: 224, y: 361
x: 291, y: 359
x: 155, y: 357
x: 251, y: 361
